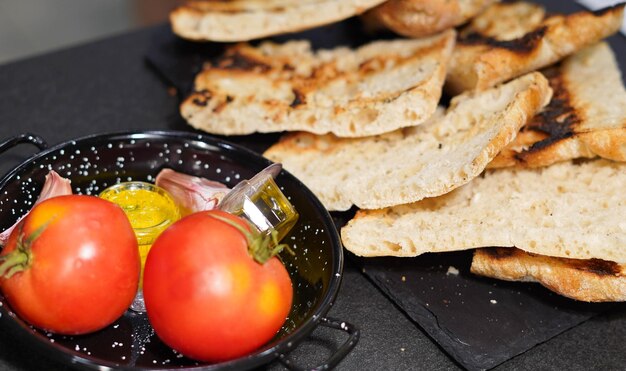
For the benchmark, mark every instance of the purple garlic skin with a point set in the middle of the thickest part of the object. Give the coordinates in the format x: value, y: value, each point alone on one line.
x: 191, y: 193
x: 54, y: 186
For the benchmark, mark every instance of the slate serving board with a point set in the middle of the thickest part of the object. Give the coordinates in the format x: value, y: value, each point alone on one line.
x: 479, y: 322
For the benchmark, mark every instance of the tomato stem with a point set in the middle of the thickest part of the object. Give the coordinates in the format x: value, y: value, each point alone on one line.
x: 19, y: 259
x: 12, y: 263
x: 261, y: 247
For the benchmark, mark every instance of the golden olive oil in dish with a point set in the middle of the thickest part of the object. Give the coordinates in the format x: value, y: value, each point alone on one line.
x: 149, y: 208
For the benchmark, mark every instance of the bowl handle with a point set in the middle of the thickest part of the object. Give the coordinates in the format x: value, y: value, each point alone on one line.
x: 353, y: 337
x: 23, y: 138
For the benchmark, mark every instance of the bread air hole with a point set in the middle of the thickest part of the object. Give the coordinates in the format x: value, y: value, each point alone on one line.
x: 366, y: 116
x: 410, y: 115
x: 392, y: 246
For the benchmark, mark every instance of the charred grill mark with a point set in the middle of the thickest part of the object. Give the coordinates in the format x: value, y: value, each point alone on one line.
x: 608, y: 9
x: 524, y: 44
x: 220, y: 107
x: 596, y: 266
x: 298, y: 98
x: 582, y: 160
x: 558, y: 119
x: 372, y: 64
x: 499, y: 252
x: 234, y: 59
x: 325, y: 72
x: 202, y: 97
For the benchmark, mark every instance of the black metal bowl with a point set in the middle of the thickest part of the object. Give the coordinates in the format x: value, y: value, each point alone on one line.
x: 96, y: 162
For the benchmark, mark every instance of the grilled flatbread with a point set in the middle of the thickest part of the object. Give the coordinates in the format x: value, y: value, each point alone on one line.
x: 419, y: 18
x: 410, y: 164
x: 377, y: 88
x: 586, y: 117
x: 591, y: 280
x: 243, y: 20
x: 564, y: 210
x: 510, y: 39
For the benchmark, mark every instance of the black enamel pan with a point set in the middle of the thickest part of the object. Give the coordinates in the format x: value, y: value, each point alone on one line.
x: 96, y: 162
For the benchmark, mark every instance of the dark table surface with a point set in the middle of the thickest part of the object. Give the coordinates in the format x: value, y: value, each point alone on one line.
x: 106, y: 86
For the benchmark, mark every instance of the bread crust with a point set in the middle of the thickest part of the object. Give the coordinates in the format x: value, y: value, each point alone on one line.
x: 585, y: 118
x: 419, y: 18
x: 591, y: 280
x: 410, y: 164
x: 483, y: 57
x: 377, y: 88
x: 565, y: 210
x: 247, y: 20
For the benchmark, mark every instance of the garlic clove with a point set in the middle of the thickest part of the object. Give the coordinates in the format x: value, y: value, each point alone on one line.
x: 191, y: 193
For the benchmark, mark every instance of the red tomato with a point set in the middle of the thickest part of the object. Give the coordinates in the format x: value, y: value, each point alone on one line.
x: 82, y: 265
x: 206, y: 297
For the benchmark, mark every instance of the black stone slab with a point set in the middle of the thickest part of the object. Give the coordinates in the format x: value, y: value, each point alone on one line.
x: 479, y: 322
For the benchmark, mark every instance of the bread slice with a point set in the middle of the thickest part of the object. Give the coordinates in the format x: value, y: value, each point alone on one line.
x: 585, y: 118
x: 377, y: 88
x: 419, y: 18
x: 411, y: 164
x: 564, y: 210
x: 243, y: 20
x: 510, y: 39
x: 591, y: 280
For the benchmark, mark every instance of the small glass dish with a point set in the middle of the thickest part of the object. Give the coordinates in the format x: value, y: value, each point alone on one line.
x: 150, y: 210
x: 261, y: 202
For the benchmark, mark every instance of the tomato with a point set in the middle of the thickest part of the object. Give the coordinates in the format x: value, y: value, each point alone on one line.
x: 206, y: 297
x: 72, y: 265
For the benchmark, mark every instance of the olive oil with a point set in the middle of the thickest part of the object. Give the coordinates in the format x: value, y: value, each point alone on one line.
x: 262, y: 203
x: 269, y: 208
x: 150, y: 210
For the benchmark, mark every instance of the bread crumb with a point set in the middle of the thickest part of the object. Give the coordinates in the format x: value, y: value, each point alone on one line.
x: 493, y: 301
x: 452, y: 270
x: 403, y: 279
